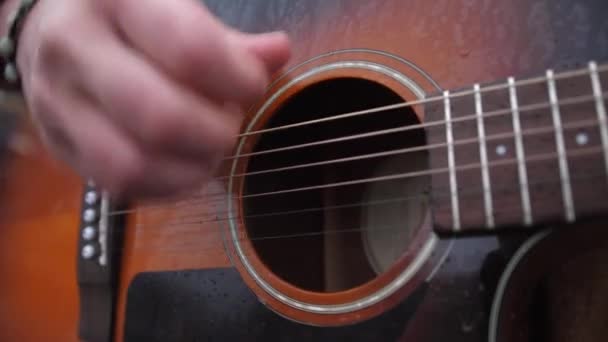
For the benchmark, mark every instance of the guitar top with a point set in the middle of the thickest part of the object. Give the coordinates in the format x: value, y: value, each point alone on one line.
x: 420, y: 171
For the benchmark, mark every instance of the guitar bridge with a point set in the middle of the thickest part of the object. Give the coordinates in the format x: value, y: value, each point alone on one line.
x: 100, y: 240
x: 94, y: 226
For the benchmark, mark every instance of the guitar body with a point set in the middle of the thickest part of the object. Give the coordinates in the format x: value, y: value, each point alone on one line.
x: 181, y: 277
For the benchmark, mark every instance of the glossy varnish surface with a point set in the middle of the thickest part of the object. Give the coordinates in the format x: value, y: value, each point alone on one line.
x: 39, y: 213
x: 457, y: 42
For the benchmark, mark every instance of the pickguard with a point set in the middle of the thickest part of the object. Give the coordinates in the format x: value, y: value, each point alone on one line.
x: 215, y: 305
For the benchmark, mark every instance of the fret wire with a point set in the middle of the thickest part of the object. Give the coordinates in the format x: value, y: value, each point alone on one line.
x: 521, y: 159
x: 564, y: 172
x: 452, y: 162
x: 600, y: 109
x: 483, y: 154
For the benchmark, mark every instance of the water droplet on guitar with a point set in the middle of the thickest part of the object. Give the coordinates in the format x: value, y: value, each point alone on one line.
x: 466, y: 327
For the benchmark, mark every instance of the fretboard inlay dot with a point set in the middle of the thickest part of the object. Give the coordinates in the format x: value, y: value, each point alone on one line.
x: 582, y: 139
x: 501, y: 150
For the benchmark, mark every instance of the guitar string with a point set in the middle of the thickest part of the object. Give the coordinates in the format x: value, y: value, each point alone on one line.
x: 214, y: 244
x: 491, y: 114
x: 588, y: 123
x: 529, y: 132
x: 587, y: 151
x: 199, y: 219
x: 438, y: 192
x: 530, y: 81
x: 398, y: 176
x: 219, y: 242
x: 359, y: 181
x: 524, y: 82
x: 496, y: 113
x: 569, y: 101
x: 439, y: 98
x: 562, y: 75
x: 512, y: 161
x: 404, y: 128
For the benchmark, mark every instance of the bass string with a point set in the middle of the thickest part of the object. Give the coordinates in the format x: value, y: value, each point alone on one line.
x: 196, y: 245
x: 592, y: 68
x: 221, y: 197
x: 437, y: 193
x: 465, y: 118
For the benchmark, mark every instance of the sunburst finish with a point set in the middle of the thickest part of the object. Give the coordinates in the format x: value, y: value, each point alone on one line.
x: 436, y: 44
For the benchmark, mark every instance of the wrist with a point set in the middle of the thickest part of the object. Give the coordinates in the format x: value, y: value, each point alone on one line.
x: 13, y: 15
x: 7, y: 7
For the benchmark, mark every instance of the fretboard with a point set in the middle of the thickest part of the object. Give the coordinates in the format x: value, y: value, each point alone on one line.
x: 520, y: 154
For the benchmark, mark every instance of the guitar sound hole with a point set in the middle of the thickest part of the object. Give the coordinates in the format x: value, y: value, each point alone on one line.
x: 338, y: 237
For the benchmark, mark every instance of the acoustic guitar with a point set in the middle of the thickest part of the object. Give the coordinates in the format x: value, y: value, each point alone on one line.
x: 420, y: 171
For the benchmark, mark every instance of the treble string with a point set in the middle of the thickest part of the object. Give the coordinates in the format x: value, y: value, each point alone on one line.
x: 207, y: 244
x: 210, y: 244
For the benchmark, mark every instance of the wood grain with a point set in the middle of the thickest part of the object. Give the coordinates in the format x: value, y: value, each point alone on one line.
x: 457, y: 43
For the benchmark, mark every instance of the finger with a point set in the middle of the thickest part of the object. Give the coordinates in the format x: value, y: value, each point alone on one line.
x: 155, y: 110
x: 85, y: 139
x: 193, y: 46
x: 273, y: 48
x: 82, y: 138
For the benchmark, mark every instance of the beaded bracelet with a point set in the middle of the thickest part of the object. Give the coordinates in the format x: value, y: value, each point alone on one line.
x: 8, y: 46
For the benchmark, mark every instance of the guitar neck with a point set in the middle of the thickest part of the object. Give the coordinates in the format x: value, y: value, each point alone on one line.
x: 520, y: 154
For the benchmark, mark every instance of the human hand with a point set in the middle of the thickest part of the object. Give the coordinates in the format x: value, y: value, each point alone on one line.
x: 141, y: 96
